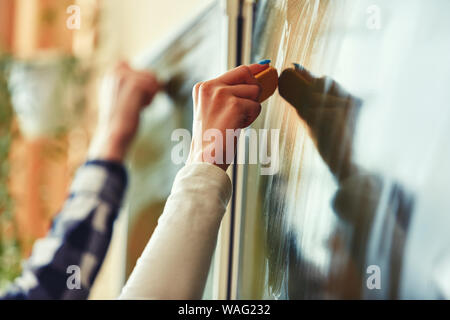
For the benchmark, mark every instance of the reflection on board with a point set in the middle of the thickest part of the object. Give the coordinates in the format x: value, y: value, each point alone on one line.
x: 358, y: 207
x: 330, y: 113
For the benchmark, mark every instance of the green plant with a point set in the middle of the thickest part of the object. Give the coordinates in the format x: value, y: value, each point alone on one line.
x: 74, y: 75
x: 10, y: 253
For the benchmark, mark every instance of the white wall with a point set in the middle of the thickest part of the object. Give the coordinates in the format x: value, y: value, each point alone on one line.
x: 129, y: 27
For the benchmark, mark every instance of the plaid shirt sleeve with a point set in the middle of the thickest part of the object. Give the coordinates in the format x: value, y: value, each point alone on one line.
x: 79, y: 238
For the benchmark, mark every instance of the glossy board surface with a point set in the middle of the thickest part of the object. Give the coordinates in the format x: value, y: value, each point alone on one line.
x: 358, y: 205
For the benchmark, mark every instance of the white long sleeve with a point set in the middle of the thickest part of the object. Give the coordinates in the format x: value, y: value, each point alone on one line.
x: 176, y: 260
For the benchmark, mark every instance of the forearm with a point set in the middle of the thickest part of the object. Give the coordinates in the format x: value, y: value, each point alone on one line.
x: 175, y: 263
x: 80, y: 236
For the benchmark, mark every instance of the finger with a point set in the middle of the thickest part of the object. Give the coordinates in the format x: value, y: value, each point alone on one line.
x: 154, y: 85
x: 195, y: 92
x: 257, y: 68
x: 147, y: 75
x: 323, y: 84
x: 250, y: 111
x: 241, y: 75
x: 122, y: 65
x: 246, y: 91
x: 146, y: 94
x: 122, y: 72
x: 328, y: 86
x: 330, y: 101
x: 143, y: 86
x: 148, y: 80
x: 306, y: 74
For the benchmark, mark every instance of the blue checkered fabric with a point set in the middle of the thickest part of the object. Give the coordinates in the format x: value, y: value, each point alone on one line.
x: 79, y: 237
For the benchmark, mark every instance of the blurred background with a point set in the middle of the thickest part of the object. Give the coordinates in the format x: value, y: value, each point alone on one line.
x: 50, y: 69
x: 288, y: 238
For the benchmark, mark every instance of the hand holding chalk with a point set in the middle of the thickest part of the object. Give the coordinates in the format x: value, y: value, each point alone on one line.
x: 268, y: 80
x: 227, y: 103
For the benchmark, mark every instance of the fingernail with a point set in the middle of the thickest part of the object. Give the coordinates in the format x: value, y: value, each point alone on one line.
x: 308, y: 74
x: 266, y: 61
x: 298, y: 66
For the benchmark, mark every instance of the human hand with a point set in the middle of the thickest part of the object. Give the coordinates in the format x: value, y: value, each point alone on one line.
x: 330, y: 112
x: 125, y: 92
x: 223, y: 106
